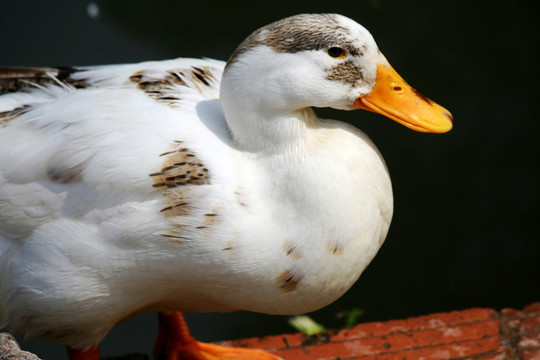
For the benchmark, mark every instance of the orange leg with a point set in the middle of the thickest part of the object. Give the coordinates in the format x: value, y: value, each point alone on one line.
x: 174, y: 342
x: 91, y: 354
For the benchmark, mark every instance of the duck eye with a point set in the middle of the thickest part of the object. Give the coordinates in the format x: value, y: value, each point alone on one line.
x: 337, y: 52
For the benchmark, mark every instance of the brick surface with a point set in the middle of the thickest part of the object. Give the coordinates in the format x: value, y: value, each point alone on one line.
x: 473, y: 334
x: 531, y: 355
x: 461, y: 335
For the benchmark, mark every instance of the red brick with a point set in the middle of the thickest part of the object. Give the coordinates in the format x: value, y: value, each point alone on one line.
x: 530, y: 322
x: 531, y: 355
x: 418, y: 323
x: 532, y: 308
x: 529, y: 340
x: 489, y: 356
x: 511, y: 312
x: 410, y: 347
x: 298, y: 354
x: 468, y: 334
x: 269, y: 342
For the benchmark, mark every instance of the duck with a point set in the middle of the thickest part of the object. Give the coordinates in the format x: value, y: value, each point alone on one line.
x: 195, y: 185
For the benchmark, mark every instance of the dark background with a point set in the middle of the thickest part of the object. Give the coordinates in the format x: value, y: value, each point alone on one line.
x: 464, y: 232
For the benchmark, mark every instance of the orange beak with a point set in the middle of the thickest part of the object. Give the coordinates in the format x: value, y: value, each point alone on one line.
x: 394, y: 98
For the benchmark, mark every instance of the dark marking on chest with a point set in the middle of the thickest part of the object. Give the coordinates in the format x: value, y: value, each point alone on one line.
x: 291, y: 250
x: 26, y: 79
x: 288, y: 281
x: 335, y: 249
x: 346, y: 72
x: 232, y: 250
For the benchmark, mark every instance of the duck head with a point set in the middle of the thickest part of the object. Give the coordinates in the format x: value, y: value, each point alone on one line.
x: 320, y: 60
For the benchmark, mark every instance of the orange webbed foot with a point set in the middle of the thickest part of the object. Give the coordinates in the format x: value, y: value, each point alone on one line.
x: 176, y: 343
x: 91, y: 354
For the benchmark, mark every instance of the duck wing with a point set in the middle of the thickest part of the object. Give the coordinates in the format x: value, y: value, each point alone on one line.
x: 77, y: 140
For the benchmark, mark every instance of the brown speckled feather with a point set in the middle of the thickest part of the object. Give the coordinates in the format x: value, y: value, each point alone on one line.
x: 26, y: 78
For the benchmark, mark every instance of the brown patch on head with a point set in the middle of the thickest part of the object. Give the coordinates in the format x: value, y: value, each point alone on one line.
x: 288, y: 281
x: 27, y: 78
x: 7, y: 116
x: 334, y: 248
x: 291, y: 250
x: 300, y: 33
x: 346, y: 72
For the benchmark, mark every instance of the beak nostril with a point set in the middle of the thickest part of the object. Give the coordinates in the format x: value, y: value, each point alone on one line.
x: 397, y: 88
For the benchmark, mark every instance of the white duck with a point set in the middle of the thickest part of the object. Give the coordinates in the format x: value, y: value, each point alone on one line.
x: 195, y: 185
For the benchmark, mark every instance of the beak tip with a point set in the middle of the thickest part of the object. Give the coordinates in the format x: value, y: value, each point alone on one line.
x: 448, y: 116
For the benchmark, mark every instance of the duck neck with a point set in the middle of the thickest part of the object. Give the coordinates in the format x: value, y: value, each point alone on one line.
x: 258, y: 132
x: 259, y: 114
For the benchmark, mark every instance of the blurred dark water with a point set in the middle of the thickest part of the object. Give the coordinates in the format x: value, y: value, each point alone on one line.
x: 465, y: 229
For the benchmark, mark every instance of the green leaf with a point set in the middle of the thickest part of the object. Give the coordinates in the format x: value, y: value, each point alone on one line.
x: 306, y: 325
x: 352, y: 317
